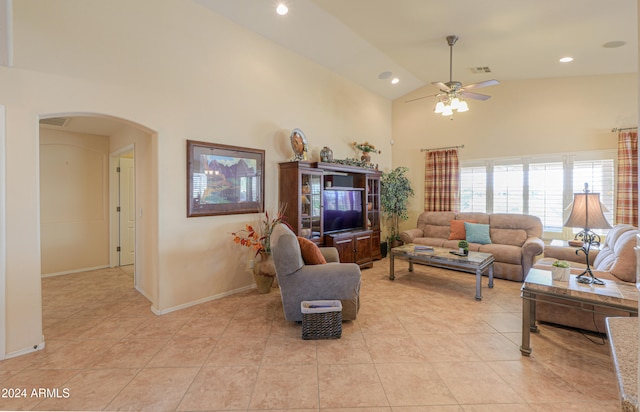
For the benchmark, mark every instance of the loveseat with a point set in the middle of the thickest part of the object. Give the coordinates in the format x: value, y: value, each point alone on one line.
x: 515, y: 239
x: 615, y: 260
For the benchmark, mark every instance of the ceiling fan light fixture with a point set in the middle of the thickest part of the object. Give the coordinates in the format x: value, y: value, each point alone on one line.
x: 455, y: 103
x: 463, y: 107
x: 447, y: 111
x: 439, y: 107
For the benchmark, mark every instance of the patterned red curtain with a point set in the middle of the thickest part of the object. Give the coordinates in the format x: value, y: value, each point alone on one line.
x: 627, y: 190
x: 441, y: 181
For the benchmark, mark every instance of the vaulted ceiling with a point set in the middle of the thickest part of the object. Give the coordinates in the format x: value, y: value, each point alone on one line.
x: 360, y: 39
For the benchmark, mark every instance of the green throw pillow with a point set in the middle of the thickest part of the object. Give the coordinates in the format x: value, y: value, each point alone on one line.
x: 477, y: 233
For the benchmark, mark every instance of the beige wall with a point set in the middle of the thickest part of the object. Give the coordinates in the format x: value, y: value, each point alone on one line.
x: 74, y: 201
x: 522, y: 119
x: 183, y: 73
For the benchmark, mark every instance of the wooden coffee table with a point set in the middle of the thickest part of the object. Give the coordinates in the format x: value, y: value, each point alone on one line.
x: 474, y: 262
x: 591, y: 298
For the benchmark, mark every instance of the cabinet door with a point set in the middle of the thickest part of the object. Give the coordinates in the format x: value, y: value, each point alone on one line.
x: 345, y: 248
x: 363, y: 248
x: 373, y: 203
x: 310, y: 205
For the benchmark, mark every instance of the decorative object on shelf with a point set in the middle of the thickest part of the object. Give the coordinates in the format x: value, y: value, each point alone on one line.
x: 587, y: 213
x: 366, y: 148
x: 463, y: 247
x: 260, y: 241
x: 354, y: 162
x: 395, y: 190
x: 326, y: 154
x: 298, y: 144
x: 217, y: 174
x: 560, y: 270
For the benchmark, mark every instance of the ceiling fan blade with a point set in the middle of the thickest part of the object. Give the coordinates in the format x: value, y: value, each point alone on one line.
x: 420, y: 98
x: 441, y: 86
x: 476, y: 96
x: 485, y: 83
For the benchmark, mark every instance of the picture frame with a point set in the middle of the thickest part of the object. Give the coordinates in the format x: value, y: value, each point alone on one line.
x: 223, y: 179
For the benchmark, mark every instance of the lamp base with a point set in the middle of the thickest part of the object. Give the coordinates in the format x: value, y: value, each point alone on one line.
x: 589, y: 238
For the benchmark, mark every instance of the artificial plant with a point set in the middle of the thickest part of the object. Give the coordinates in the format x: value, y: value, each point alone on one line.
x: 395, y: 190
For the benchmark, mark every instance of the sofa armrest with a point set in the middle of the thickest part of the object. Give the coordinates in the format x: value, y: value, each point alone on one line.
x: 330, y: 254
x: 407, y: 236
x: 330, y: 281
x: 569, y: 254
x: 531, y: 248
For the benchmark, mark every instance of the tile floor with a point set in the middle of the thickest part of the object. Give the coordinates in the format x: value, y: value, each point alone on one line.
x: 421, y: 343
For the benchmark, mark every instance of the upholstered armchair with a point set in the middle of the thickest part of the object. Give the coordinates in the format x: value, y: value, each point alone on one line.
x: 300, y: 282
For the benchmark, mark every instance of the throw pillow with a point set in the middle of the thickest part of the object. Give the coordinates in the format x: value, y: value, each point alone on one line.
x: 477, y: 233
x: 310, y: 252
x: 456, y: 229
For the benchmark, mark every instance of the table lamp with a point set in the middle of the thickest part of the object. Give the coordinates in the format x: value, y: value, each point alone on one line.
x: 587, y: 213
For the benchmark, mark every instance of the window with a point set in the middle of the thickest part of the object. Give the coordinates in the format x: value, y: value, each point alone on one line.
x: 473, y: 189
x: 546, y: 189
x: 507, y: 189
x: 539, y: 187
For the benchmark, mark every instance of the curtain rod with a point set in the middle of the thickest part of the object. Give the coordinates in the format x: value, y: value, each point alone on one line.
x: 617, y: 129
x: 443, y: 148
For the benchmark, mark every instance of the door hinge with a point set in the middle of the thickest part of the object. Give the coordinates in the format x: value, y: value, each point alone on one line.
x: 117, y: 208
x: 118, y: 169
x: 118, y: 249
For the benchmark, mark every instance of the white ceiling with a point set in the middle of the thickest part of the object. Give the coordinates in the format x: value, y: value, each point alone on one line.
x: 521, y: 39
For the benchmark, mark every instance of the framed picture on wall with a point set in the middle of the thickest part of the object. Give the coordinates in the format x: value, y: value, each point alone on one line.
x: 224, y: 180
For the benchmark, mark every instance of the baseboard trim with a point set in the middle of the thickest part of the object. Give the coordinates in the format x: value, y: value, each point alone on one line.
x: 25, y: 351
x: 200, y: 301
x: 69, y: 272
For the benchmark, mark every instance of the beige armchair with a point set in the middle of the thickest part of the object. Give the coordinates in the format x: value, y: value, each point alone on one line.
x: 299, y: 282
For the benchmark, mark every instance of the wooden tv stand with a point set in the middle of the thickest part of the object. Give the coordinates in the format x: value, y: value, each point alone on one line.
x: 301, y: 187
x: 353, y: 246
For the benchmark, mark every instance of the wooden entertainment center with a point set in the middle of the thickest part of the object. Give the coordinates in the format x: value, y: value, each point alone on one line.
x: 350, y: 219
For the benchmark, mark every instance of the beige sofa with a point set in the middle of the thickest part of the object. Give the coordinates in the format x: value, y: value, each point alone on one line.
x: 515, y: 239
x: 615, y: 260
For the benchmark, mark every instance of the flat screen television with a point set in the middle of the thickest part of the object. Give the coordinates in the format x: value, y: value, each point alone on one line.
x: 342, y: 209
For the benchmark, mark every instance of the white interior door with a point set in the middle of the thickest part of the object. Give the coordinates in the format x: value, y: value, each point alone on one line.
x: 127, y: 214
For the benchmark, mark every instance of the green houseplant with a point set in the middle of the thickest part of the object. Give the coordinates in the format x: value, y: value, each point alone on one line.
x: 395, y: 190
x: 463, y: 245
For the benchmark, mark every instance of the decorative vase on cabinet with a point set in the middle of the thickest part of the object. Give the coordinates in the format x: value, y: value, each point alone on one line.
x: 326, y: 154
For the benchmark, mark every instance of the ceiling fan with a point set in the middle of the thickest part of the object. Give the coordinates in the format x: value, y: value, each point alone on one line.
x: 452, y: 93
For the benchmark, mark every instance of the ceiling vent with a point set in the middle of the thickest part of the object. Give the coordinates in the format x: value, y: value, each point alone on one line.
x: 55, y: 121
x: 480, y: 69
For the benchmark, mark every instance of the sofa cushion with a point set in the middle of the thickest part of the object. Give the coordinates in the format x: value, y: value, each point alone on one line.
x: 310, y: 252
x: 617, y: 254
x: 477, y: 233
x: 503, y: 253
x: 513, y: 237
x: 436, y: 224
x: 456, y: 229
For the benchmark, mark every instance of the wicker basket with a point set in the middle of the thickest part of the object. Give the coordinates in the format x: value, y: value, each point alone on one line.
x: 321, y: 319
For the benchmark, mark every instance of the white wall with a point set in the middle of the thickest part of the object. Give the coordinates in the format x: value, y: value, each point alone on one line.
x: 74, y: 201
x: 522, y: 118
x: 184, y: 73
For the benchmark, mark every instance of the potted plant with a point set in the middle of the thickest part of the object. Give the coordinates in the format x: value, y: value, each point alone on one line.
x: 560, y: 270
x: 463, y: 247
x: 395, y: 190
x: 365, y: 148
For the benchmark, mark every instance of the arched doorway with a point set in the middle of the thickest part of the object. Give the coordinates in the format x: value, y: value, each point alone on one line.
x: 76, y: 151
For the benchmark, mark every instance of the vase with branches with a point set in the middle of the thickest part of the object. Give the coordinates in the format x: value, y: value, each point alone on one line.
x: 395, y: 191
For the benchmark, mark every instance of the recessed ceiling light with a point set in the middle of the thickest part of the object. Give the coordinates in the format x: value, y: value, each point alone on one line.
x: 614, y: 44
x: 566, y: 59
x: 384, y: 75
x: 282, y: 9
x: 395, y: 80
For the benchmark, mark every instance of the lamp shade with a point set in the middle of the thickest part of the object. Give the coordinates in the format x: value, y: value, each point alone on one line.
x: 587, y: 212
